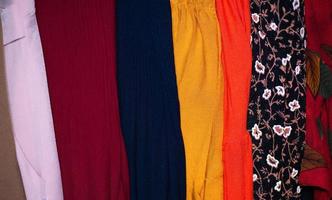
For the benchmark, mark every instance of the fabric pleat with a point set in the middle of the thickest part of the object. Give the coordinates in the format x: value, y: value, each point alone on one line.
x: 149, y: 101
x: 196, y: 41
x: 78, y: 39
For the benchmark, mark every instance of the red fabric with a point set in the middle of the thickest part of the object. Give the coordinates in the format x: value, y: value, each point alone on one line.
x: 320, y: 183
x: 234, y: 21
x: 319, y: 26
x: 319, y: 31
x: 319, y: 178
x: 78, y: 38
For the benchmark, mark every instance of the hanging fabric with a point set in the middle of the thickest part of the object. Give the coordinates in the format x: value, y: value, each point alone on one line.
x: 11, y: 185
x: 199, y: 75
x: 317, y: 162
x: 78, y: 38
x: 29, y: 103
x: 276, y: 113
x: 148, y: 97
x: 234, y: 20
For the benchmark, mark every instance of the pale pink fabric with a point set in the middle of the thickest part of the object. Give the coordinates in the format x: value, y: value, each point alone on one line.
x: 29, y: 103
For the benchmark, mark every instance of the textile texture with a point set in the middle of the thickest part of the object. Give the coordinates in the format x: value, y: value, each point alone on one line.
x: 276, y: 114
x: 318, y: 16
x: 234, y: 22
x: 29, y: 103
x: 148, y: 98
x: 11, y: 185
x: 78, y: 39
x: 199, y: 75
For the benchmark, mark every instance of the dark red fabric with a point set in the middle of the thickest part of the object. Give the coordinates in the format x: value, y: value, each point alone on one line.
x: 78, y: 38
x: 319, y: 31
x: 318, y: 18
x: 319, y: 177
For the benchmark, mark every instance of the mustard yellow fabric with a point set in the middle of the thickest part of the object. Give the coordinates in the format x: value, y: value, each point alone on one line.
x: 196, y: 41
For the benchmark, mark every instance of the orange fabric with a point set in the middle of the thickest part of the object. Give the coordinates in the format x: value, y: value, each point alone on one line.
x: 234, y: 20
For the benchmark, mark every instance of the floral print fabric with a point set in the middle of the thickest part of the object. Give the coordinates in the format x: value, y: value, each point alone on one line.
x: 276, y: 114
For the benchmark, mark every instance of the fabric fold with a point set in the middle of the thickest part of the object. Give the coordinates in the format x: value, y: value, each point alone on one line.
x: 148, y: 100
x: 277, y: 105
x: 234, y: 22
x: 196, y: 40
x: 78, y: 39
x: 11, y: 185
x: 29, y: 103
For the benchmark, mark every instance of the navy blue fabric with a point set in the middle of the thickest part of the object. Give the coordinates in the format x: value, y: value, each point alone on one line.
x: 149, y: 106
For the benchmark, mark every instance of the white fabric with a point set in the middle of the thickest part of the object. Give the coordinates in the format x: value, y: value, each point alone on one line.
x: 29, y: 103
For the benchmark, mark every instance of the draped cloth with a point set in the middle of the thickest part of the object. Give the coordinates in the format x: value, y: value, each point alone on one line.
x: 29, y: 103
x: 234, y: 21
x: 148, y: 98
x: 319, y: 104
x: 196, y: 39
x: 11, y: 185
x: 78, y: 38
x: 277, y: 109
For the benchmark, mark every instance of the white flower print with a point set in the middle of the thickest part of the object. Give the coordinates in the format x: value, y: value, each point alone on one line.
x: 255, y: 17
x: 284, y: 61
x: 280, y: 90
x: 259, y: 67
x: 256, y: 132
x: 287, y: 131
x: 261, y: 34
x: 294, y: 173
x: 278, y: 39
x: 277, y: 187
x: 279, y: 130
x: 296, y: 4
x: 254, y: 177
x: 267, y: 94
x: 302, y: 32
x: 273, y: 26
x: 294, y: 105
x: 282, y: 131
x: 298, y: 189
x: 272, y: 161
x: 297, y: 70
